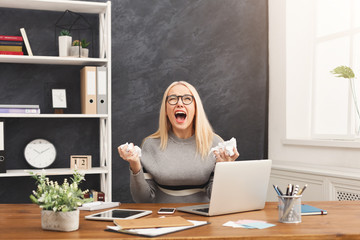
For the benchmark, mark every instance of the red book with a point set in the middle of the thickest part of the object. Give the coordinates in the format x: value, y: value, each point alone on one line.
x: 101, y: 196
x: 10, y: 53
x: 10, y: 38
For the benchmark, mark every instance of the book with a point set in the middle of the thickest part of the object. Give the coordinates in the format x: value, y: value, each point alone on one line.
x: 11, y: 48
x: 11, y: 38
x: 11, y: 43
x: 20, y: 110
x: 101, y: 196
x: 26, y: 41
x: 18, y: 106
x: 11, y: 53
x: 94, y: 194
x: 311, y: 210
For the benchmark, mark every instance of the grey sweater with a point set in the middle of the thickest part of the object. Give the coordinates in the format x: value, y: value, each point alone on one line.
x: 176, y: 174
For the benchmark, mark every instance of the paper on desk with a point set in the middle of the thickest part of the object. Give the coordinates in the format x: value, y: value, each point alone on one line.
x: 153, y: 232
x: 250, y: 224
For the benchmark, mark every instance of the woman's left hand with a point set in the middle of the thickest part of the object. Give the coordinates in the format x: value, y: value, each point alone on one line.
x: 222, y: 156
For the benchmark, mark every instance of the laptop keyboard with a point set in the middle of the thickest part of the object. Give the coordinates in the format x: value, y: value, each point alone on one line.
x: 205, y: 210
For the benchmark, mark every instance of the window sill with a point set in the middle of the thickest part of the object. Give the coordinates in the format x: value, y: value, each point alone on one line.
x: 323, y: 143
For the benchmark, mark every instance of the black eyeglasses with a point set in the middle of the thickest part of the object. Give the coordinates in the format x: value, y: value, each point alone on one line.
x: 186, y: 99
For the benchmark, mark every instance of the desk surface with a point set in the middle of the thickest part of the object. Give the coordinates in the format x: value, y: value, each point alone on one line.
x: 22, y: 221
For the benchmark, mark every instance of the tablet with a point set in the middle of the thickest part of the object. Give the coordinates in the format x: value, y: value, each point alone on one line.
x: 112, y: 214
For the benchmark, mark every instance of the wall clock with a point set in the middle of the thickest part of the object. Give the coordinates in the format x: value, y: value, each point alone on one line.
x: 40, y: 153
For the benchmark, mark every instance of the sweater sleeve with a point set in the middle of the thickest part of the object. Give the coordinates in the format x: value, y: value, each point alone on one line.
x: 142, y: 190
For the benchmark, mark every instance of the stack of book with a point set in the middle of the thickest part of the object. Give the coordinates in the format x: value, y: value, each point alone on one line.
x: 15, y: 108
x: 97, y: 196
x: 11, y: 45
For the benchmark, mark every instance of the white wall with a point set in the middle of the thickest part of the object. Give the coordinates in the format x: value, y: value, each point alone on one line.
x: 326, y: 156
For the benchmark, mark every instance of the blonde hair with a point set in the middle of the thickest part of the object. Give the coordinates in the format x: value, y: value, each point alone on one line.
x: 203, y: 130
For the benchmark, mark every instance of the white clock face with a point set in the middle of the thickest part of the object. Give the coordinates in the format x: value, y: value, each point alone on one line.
x: 40, y: 153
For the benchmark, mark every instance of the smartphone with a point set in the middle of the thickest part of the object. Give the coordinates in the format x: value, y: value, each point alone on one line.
x: 166, y: 210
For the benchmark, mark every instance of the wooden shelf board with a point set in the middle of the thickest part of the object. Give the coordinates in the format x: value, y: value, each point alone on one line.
x: 56, y: 5
x: 52, y: 60
x: 51, y: 171
x: 20, y: 115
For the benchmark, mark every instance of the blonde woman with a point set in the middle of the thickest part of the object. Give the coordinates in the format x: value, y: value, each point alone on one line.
x: 175, y: 165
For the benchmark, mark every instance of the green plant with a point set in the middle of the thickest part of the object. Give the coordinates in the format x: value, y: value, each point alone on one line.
x: 84, y: 43
x: 50, y: 195
x: 348, y: 73
x: 65, y: 32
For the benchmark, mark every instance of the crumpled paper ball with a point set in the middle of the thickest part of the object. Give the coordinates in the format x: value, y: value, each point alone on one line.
x: 130, y: 147
x: 227, y: 146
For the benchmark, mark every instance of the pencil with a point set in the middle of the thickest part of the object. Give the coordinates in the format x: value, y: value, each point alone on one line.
x: 302, y: 190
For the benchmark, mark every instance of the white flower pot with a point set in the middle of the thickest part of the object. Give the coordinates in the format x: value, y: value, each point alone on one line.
x: 60, y: 221
x: 64, y: 45
x: 85, y: 52
x: 75, y: 51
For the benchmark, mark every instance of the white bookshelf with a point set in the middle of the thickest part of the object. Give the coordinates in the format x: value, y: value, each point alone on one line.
x: 104, y: 12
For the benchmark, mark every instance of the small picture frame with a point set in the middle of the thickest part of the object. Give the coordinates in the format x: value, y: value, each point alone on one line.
x: 81, y: 161
x: 59, y: 98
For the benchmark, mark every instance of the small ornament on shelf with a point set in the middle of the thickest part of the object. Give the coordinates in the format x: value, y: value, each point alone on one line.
x: 80, y: 162
x: 65, y: 40
x: 59, y: 100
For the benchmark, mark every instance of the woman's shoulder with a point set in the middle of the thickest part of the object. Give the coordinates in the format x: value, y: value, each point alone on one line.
x: 150, y: 142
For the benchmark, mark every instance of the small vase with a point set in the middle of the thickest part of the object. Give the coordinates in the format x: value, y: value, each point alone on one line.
x: 60, y: 221
x: 84, y: 52
x: 64, y: 45
x: 75, y: 51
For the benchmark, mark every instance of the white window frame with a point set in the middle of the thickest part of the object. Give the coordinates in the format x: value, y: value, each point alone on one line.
x: 350, y: 33
x: 300, y: 115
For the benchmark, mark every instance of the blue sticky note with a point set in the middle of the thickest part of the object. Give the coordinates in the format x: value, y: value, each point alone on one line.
x: 259, y: 225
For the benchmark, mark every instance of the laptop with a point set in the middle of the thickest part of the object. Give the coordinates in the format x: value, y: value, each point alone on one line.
x: 237, y: 187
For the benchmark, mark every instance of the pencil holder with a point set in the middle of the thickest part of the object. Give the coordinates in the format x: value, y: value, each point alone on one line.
x: 289, y: 209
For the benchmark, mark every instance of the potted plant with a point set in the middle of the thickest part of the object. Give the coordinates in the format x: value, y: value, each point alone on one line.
x: 59, y: 202
x: 76, y: 48
x: 65, y: 40
x: 84, y: 50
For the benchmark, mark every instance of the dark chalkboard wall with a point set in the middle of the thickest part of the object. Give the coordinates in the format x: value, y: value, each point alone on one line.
x: 219, y: 46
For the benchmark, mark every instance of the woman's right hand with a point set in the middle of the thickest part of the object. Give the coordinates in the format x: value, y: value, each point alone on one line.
x: 129, y: 154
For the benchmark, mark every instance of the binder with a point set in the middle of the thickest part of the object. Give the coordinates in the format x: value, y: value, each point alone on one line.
x: 2, y: 148
x: 101, y: 78
x: 88, y: 90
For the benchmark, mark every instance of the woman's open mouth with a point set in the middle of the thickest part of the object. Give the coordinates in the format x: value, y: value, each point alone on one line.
x: 180, y: 116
